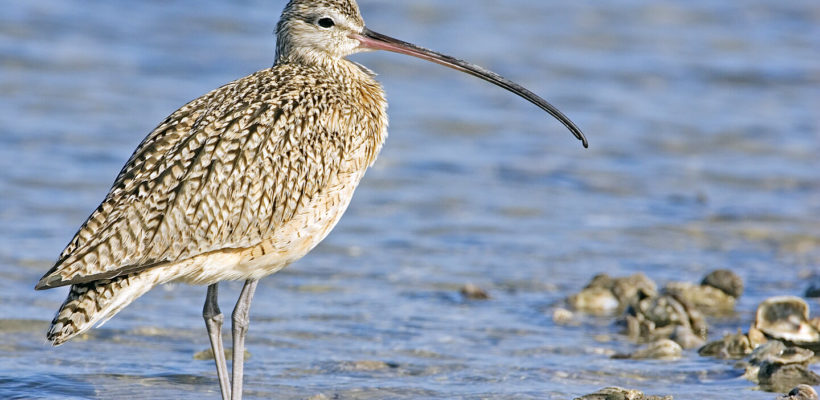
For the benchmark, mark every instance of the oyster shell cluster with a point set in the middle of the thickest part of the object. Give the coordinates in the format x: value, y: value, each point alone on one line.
x: 777, y: 367
x: 665, y: 317
x: 776, y: 352
x: 780, y: 345
x: 651, y: 317
x: 782, y: 318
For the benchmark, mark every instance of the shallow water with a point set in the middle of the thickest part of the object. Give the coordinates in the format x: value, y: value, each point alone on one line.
x: 703, y: 127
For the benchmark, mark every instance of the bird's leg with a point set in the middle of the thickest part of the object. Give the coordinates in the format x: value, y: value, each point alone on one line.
x: 213, y: 321
x: 240, y: 328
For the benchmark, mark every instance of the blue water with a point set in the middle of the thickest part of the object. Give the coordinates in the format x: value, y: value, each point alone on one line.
x: 704, y: 133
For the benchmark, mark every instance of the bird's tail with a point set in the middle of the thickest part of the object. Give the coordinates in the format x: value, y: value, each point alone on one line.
x: 95, y: 302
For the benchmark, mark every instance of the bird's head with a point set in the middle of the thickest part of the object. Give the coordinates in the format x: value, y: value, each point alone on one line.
x: 317, y: 30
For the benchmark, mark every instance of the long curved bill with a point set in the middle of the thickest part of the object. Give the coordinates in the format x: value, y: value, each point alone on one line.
x: 377, y: 41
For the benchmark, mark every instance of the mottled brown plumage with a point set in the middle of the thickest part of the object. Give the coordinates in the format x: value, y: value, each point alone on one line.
x: 232, y: 172
x: 229, y: 170
x: 244, y: 180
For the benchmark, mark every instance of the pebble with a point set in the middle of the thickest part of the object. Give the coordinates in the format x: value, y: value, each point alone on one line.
x: 473, y: 292
x: 617, y: 393
x: 209, y: 354
x: 562, y: 316
x: 663, y: 349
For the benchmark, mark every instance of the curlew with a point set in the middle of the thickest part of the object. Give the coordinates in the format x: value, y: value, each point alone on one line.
x: 243, y: 181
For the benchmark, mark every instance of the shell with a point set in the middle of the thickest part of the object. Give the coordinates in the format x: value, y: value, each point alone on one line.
x: 659, y: 317
x: 779, y: 378
x: 663, y: 311
x: 709, y: 299
x: 786, y: 318
x: 633, y: 288
x: 594, y: 300
x: 775, y: 352
x: 686, y: 338
x: 800, y: 392
x: 605, y: 295
x: 735, y: 345
x: 725, y: 280
x: 777, y: 367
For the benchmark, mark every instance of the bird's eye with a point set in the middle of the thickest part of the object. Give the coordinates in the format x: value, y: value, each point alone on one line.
x: 325, y: 22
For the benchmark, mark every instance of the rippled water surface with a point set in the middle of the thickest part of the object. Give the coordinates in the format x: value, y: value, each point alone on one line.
x: 704, y: 139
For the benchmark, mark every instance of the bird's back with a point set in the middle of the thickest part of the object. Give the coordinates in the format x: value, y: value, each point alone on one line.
x: 237, y: 169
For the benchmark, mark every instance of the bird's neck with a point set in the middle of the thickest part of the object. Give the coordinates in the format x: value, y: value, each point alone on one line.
x: 315, y: 59
x: 304, y: 55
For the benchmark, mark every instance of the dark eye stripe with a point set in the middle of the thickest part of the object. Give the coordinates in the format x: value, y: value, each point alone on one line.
x: 325, y: 22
